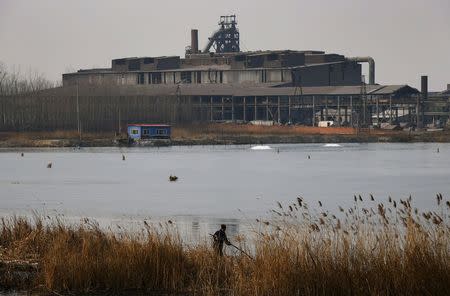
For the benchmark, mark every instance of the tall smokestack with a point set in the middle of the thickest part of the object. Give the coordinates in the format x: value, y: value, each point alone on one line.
x: 420, y: 100
x: 194, y: 41
x: 424, y: 87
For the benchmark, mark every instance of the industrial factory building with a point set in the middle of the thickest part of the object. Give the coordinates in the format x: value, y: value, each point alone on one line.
x: 220, y: 83
x: 228, y: 65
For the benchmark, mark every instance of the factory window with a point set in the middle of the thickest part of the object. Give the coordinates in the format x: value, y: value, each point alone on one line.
x: 272, y: 57
x: 161, y: 132
x: 140, y: 78
x: 155, y: 78
x: 134, y: 65
x: 263, y: 76
x: 120, y: 62
x: 186, y: 77
x: 135, y: 132
x: 145, y: 131
x: 239, y: 58
x: 149, y: 60
x: 199, y: 77
x: 221, y: 76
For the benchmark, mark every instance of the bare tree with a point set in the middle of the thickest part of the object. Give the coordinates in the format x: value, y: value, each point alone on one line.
x: 14, y: 82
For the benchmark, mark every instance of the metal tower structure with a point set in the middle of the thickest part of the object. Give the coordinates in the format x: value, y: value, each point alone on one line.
x: 226, y: 39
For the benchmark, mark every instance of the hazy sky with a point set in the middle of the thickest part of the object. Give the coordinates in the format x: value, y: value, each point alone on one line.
x: 407, y: 38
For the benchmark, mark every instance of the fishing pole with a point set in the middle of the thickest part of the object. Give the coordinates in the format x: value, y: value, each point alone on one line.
x: 245, y: 253
x: 237, y: 248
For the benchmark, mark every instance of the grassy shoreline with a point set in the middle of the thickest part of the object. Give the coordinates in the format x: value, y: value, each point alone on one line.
x: 370, y: 248
x: 223, y: 134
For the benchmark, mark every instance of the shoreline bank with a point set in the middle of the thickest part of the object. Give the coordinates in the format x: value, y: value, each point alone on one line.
x: 220, y: 134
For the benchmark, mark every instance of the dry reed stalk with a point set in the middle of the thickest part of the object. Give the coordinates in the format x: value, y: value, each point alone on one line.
x: 300, y: 252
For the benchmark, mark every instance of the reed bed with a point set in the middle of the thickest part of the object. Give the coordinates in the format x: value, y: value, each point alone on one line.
x: 230, y: 129
x: 369, y: 248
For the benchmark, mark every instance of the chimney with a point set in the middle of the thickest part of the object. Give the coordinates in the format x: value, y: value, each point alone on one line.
x: 194, y: 41
x: 424, y: 88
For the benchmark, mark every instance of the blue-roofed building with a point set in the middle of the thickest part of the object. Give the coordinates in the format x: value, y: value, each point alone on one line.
x: 149, y: 131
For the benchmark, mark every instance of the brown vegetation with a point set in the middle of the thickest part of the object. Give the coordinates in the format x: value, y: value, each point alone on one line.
x: 256, y: 130
x: 369, y: 249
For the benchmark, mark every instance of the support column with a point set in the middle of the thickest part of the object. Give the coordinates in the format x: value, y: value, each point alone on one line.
x: 390, y: 109
x: 278, y: 110
x: 244, y: 109
x: 378, y: 112
x: 232, y: 109
x: 289, y: 110
x: 255, y: 116
x: 339, y: 110
x: 211, y: 109
x: 201, y: 108
x: 314, y: 110
x: 223, y: 110
x: 326, y: 108
x: 351, y: 111
x: 267, y: 108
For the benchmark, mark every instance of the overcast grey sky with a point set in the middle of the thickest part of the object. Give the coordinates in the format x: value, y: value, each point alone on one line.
x: 407, y: 38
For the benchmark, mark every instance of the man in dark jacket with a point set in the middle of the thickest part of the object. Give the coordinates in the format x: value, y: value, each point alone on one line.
x: 220, y: 237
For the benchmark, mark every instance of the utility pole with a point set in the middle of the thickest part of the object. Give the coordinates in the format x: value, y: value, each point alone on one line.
x: 78, y: 114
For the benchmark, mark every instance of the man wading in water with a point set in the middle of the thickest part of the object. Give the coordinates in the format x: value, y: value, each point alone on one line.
x: 220, y: 237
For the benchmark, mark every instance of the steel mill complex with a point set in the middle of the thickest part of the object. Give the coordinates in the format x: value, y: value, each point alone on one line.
x: 222, y: 83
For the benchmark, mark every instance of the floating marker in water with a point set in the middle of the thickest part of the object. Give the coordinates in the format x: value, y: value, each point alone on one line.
x: 332, y: 145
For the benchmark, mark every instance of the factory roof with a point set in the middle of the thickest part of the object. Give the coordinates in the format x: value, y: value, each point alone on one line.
x: 148, y: 125
x: 239, y: 90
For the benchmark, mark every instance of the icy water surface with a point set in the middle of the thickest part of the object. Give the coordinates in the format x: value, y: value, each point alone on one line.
x: 217, y: 184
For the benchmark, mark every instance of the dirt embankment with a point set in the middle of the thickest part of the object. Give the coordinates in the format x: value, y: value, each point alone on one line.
x: 215, y: 134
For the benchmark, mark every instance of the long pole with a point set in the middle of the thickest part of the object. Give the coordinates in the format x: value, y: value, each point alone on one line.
x: 237, y: 248
x: 78, y: 115
x: 243, y: 252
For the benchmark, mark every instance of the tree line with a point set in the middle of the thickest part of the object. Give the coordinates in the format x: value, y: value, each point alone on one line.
x: 13, y: 81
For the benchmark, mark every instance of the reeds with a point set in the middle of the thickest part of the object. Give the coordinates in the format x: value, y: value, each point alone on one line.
x: 370, y: 248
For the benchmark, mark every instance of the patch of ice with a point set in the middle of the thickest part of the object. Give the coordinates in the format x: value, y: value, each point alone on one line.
x: 261, y: 147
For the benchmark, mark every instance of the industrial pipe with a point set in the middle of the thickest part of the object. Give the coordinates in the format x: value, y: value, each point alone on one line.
x: 211, y: 40
x: 194, y: 41
x: 371, y: 62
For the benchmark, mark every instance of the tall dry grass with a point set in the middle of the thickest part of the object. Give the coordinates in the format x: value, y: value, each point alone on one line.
x: 229, y: 129
x: 370, y: 248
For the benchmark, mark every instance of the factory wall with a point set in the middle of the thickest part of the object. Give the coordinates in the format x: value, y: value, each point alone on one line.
x: 331, y: 74
x: 348, y: 73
